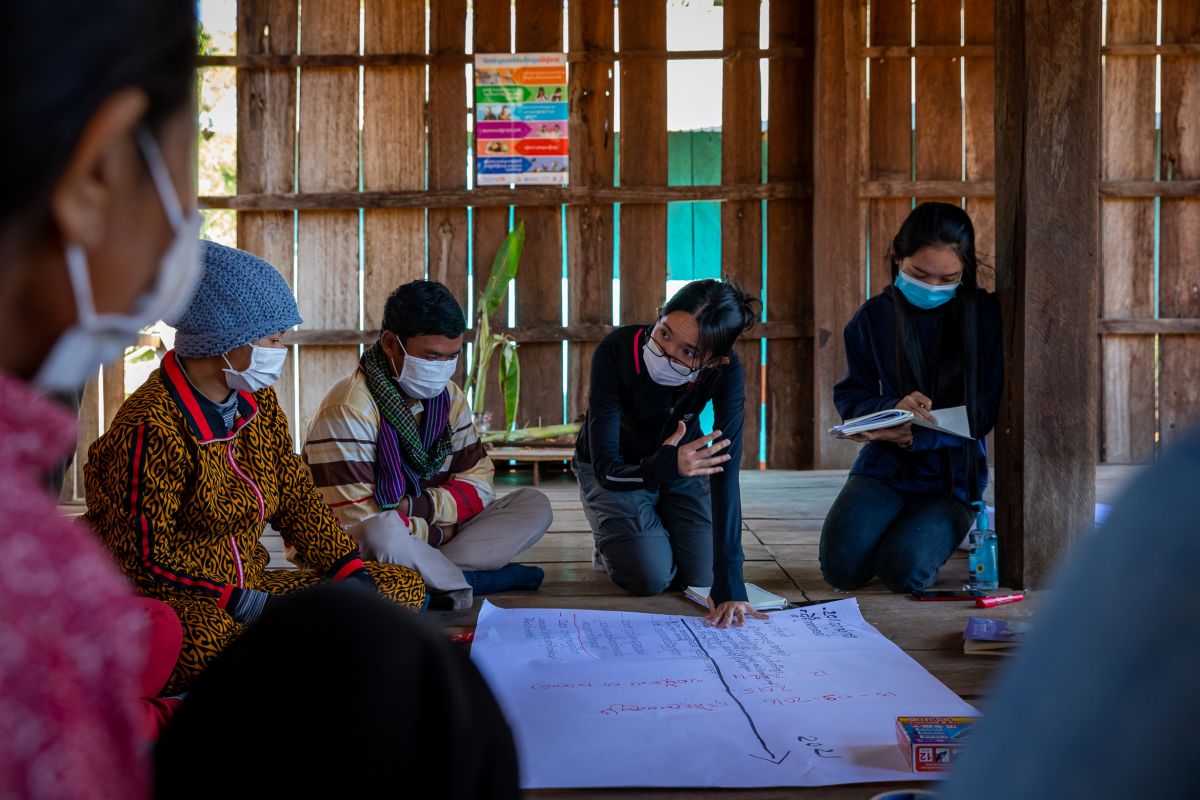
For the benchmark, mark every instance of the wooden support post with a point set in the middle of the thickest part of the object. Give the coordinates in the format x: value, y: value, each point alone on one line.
x: 741, y: 222
x: 539, y: 280
x: 838, y: 282
x: 589, y: 227
x: 790, y: 433
x: 1047, y: 234
x: 493, y: 34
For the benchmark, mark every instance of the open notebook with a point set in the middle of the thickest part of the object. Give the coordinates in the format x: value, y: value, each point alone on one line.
x: 948, y: 420
x: 872, y: 422
x: 945, y: 420
x: 759, y: 598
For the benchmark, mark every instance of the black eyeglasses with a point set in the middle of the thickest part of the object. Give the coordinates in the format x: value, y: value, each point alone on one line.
x: 675, y: 364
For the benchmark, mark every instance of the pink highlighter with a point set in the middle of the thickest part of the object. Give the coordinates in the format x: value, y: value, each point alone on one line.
x: 999, y: 600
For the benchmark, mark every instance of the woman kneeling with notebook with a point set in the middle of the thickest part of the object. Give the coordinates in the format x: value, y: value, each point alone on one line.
x: 931, y: 340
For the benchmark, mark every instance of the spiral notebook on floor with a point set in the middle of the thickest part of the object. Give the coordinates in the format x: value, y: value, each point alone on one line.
x: 759, y: 598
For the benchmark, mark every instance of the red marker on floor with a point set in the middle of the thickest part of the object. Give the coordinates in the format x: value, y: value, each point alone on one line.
x: 462, y: 637
x: 999, y: 600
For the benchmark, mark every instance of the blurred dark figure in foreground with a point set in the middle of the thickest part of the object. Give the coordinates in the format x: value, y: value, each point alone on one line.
x: 348, y: 695
x: 1103, y: 700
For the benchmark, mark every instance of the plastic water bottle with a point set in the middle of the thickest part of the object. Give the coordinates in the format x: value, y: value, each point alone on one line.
x: 982, y: 555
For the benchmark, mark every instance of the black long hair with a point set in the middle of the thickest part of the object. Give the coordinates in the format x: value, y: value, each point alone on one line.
x: 61, y: 61
x: 951, y: 377
x: 722, y: 310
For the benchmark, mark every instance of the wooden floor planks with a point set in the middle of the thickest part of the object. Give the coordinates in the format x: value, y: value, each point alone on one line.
x: 783, y: 512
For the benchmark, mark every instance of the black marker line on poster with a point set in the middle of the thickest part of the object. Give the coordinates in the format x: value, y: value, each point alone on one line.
x: 773, y: 759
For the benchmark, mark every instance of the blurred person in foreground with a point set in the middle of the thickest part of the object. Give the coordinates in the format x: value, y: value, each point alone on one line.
x: 1102, y: 700
x: 98, y: 230
x: 98, y: 240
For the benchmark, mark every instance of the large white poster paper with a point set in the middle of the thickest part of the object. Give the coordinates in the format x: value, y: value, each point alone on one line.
x: 605, y: 698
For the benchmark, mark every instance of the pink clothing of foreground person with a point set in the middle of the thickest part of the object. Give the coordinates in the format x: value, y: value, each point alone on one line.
x: 71, y: 631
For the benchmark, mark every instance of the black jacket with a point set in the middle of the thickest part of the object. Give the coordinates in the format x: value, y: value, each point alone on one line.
x: 936, y: 462
x: 630, y: 416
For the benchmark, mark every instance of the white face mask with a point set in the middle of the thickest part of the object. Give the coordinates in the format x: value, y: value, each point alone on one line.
x: 422, y: 378
x: 266, y: 365
x: 661, y: 371
x: 97, y: 339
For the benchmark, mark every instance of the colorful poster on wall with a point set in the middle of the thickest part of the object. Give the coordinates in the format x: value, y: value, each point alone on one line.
x: 520, y: 118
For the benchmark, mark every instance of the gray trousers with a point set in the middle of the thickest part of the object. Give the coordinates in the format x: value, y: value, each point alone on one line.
x: 651, y: 539
x: 509, y: 526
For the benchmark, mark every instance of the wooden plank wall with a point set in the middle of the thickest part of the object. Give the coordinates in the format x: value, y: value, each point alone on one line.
x: 327, y: 270
x: 1150, y: 344
x: 839, y: 214
x: 266, y: 149
x: 448, y: 230
x: 643, y: 159
x: 393, y: 152
x: 857, y: 146
x: 979, y: 128
x: 949, y: 156
x: 1127, y: 365
x: 344, y: 256
x: 947, y: 46
x: 1179, y: 265
x: 889, y: 136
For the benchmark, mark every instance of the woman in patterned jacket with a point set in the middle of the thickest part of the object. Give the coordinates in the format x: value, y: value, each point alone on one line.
x: 199, y: 460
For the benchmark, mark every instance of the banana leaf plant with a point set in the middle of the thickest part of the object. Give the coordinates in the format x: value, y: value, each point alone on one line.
x: 487, y: 343
x: 563, y: 434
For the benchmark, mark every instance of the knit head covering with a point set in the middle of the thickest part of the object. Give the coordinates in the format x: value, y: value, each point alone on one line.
x: 240, y: 298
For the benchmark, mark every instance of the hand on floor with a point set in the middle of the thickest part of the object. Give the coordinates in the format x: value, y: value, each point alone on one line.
x: 731, y: 612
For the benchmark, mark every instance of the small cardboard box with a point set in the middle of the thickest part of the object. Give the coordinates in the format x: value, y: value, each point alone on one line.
x: 933, y: 744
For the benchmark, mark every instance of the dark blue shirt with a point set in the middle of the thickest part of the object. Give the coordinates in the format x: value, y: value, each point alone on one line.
x: 936, y: 462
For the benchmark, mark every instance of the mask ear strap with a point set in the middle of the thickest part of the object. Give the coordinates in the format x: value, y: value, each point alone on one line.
x: 81, y: 282
x: 152, y: 153
x: 391, y: 360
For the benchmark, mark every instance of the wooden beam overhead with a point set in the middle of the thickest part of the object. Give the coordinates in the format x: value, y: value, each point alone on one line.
x: 504, y: 197
x: 929, y: 188
x: 928, y: 51
x: 260, y: 61
x: 1149, y: 188
x: 540, y: 334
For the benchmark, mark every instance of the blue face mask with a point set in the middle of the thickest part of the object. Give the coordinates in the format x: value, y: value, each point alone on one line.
x: 925, y: 295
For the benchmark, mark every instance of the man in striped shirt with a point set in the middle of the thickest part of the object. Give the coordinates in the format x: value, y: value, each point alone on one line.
x: 394, y: 451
